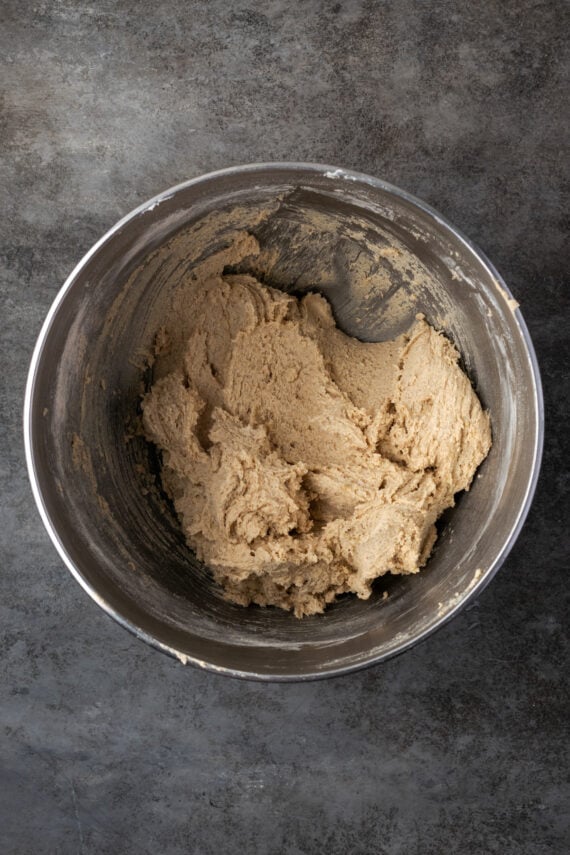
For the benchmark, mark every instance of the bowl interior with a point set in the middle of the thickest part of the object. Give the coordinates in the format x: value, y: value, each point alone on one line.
x: 380, y: 259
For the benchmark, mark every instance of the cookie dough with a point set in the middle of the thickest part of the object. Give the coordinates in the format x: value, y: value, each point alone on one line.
x: 304, y: 463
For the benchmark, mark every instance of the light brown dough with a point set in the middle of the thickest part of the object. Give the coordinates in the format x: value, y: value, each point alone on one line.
x: 303, y: 463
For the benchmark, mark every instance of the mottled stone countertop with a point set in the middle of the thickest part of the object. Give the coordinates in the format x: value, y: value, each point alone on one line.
x: 457, y: 746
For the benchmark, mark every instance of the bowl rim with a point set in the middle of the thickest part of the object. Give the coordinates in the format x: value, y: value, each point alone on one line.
x: 326, y: 171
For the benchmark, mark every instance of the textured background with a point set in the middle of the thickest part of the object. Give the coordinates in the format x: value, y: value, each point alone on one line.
x: 457, y: 746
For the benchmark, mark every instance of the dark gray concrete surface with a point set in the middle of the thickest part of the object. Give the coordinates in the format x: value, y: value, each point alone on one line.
x: 457, y: 746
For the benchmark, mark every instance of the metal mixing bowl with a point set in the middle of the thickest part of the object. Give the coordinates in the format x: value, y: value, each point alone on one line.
x: 96, y: 480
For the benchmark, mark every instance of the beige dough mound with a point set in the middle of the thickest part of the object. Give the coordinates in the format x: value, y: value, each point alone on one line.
x: 303, y: 463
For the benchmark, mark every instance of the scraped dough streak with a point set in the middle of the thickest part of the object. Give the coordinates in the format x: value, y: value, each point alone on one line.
x: 303, y: 463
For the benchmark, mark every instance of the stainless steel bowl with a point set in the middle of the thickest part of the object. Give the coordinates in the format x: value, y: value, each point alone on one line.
x: 96, y: 480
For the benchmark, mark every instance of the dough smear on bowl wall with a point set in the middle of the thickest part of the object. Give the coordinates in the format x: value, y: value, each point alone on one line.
x: 304, y: 463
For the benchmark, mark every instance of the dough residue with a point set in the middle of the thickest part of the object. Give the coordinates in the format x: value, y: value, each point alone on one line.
x: 304, y: 463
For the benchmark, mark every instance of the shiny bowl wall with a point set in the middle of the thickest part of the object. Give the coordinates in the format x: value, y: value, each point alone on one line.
x: 96, y: 480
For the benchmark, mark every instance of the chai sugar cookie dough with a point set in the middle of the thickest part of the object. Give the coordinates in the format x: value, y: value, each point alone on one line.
x: 304, y: 463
